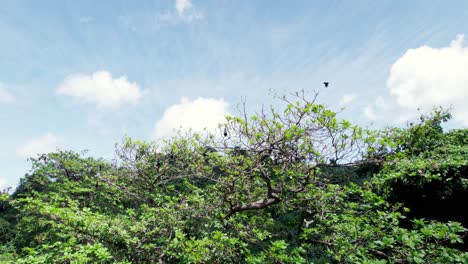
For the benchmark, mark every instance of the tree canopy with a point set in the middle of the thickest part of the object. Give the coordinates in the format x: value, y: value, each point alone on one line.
x: 284, y: 185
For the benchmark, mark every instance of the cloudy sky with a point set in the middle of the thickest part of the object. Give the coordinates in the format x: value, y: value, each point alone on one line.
x: 82, y: 74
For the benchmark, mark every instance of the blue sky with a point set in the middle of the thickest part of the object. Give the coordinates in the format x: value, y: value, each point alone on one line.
x: 82, y: 74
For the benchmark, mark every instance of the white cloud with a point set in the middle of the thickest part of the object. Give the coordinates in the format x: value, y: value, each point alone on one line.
x: 3, y: 183
x: 196, y: 115
x: 40, y: 145
x: 425, y: 77
x: 5, y: 95
x: 8, y: 183
x: 185, y: 12
x: 102, y: 89
x: 347, y: 99
x: 369, y: 113
x: 182, y: 5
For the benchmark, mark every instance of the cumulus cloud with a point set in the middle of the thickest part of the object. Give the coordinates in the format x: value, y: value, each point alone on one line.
x: 182, y: 5
x: 370, y: 111
x: 197, y: 115
x: 102, y: 89
x: 8, y: 183
x: 40, y: 145
x: 185, y: 12
x: 3, y: 183
x: 347, y: 99
x: 425, y: 77
x: 5, y: 95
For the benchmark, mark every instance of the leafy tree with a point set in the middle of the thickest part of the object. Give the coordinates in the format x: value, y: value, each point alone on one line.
x: 291, y: 186
x: 427, y: 169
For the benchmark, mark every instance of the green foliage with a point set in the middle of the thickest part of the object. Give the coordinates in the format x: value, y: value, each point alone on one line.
x: 291, y: 186
x: 361, y: 227
x: 427, y: 169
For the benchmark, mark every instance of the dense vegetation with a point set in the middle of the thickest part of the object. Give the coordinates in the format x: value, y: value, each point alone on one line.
x: 292, y: 186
